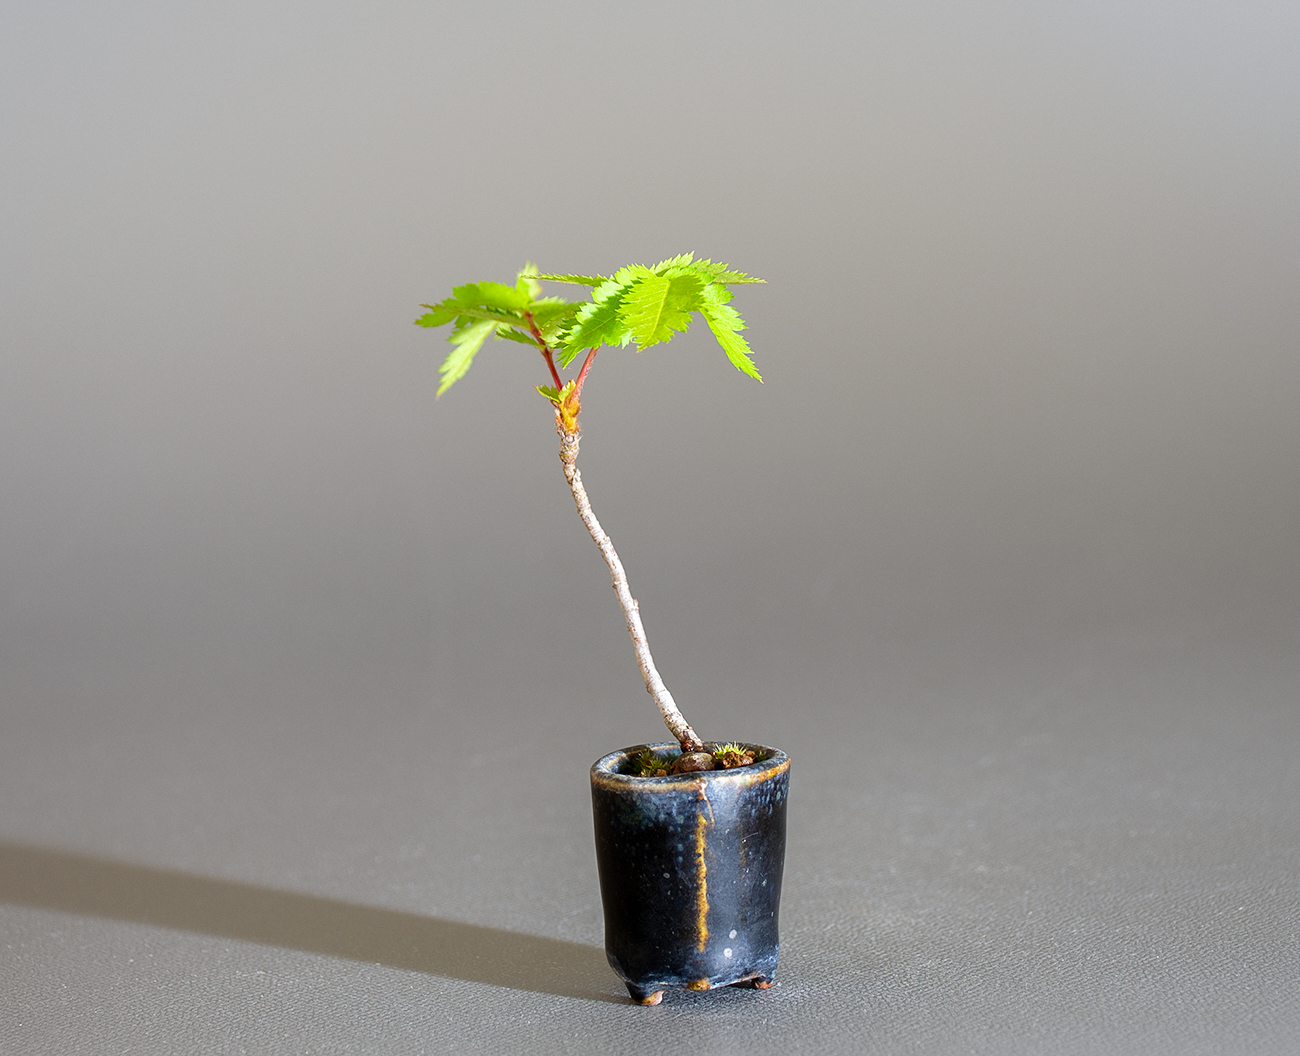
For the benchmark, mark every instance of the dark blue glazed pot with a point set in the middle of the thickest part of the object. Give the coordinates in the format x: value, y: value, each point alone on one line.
x: 690, y: 871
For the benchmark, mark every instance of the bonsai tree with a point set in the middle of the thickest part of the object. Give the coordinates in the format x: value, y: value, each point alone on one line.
x: 636, y: 305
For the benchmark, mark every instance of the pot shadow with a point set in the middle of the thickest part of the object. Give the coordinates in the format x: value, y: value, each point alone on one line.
x: 138, y: 894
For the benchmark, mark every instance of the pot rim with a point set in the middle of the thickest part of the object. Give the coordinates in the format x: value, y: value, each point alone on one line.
x: 604, y: 771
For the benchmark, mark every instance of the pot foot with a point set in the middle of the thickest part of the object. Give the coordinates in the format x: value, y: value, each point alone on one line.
x: 645, y: 997
x: 757, y: 982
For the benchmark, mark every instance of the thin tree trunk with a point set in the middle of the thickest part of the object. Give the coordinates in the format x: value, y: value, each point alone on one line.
x: 653, y: 683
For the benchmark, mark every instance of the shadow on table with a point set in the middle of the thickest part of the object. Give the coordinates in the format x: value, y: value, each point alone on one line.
x: 138, y: 894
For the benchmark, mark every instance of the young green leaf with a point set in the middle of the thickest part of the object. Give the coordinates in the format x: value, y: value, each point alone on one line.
x: 679, y: 261
x: 657, y: 305
x: 576, y: 280
x: 492, y: 295
x: 705, y: 269
x: 599, y: 322
x: 468, y: 340
x: 734, y: 278
x: 553, y: 318
x: 436, y: 316
x: 510, y: 333
x: 636, y: 304
x: 526, y: 282
x: 722, y: 275
x: 450, y: 309
x: 725, y: 321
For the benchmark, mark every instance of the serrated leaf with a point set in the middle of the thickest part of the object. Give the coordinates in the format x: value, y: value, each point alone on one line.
x: 546, y: 313
x: 594, y: 325
x: 526, y: 281
x: 463, y: 313
x: 736, y: 278
x: 724, y: 321
x: 602, y: 327
x: 509, y: 333
x: 645, y: 305
x: 736, y: 347
x: 549, y: 391
x: 719, y: 298
x: 707, y: 270
x: 437, y: 316
x: 658, y: 305
x: 681, y: 260
x: 468, y: 340
x: 597, y: 322
x: 445, y: 311
x: 577, y: 280
x: 492, y: 295
x: 555, y: 320
x: 631, y: 273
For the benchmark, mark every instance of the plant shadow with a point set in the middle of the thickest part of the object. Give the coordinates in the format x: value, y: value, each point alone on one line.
x: 80, y: 884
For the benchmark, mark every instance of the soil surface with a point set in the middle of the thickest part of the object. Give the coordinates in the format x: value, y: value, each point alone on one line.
x: 720, y: 757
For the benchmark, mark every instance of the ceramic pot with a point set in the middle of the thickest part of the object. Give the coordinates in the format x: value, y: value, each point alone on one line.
x: 690, y: 871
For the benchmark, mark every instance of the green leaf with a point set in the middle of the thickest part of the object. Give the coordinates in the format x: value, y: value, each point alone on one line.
x: 549, y: 391
x: 438, y: 316
x: 509, y: 333
x: 636, y: 303
x: 735, y: 278
x: 679, y: 261
x: 736, y: 347
x: 526, y: 281
x: 552, y: 310
x: 598, y: 322
x: 724, y: 321
x: 492, y: 295
x: 577, y: 280
x: 554, y: 320
x: 705, y: 269
x: 658, y: 305
x: 462, y: 313
x: 468, y: 340
x: 595, y: 325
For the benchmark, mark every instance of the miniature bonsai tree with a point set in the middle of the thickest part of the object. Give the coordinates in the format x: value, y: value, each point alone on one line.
x: 636, y: 305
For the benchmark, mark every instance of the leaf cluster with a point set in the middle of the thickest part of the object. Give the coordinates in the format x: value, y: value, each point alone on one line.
x: 479, y: 310
x: 637, y: 305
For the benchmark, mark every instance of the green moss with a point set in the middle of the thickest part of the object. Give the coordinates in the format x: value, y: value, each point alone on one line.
x: 731, y: 755
x: 652, y: 764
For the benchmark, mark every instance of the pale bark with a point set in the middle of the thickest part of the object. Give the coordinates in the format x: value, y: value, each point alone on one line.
x: 653, y: 683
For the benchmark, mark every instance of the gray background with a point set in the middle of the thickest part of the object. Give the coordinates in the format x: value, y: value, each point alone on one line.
x: 303, y: 671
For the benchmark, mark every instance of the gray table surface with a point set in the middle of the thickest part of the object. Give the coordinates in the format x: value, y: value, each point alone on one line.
x: 303, y: 672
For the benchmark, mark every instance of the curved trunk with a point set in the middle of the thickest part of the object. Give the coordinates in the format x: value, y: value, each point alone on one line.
x: 653, y: 683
